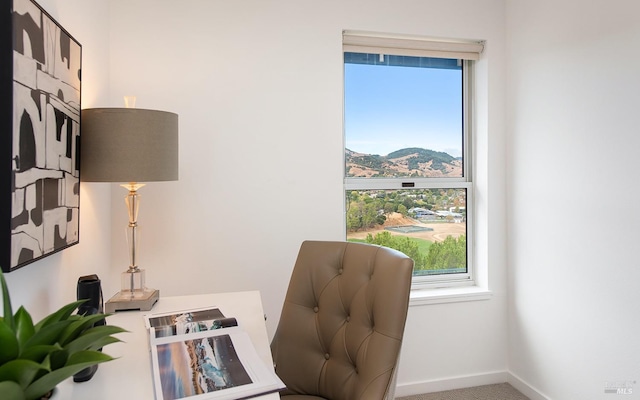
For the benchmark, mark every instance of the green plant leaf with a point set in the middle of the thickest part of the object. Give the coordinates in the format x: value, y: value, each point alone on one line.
x: 24, y: 326
x: 49, y: 334
x: 78, y: 326
x: 11, y: 391
x: 58, y: 359
x: 9, y: 347
x: 6, y: 303
x: 20, y: 371
x: 88, y: 356
x: 99, y: 344
x: 92, y: 335
x: 76, y: 363
x: 61, y: 315
x: 39, y: 353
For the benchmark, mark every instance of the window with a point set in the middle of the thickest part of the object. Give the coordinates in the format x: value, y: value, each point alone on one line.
x: 407, y: 120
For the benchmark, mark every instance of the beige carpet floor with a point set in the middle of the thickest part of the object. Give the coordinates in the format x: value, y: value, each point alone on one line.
x: 500, y: 391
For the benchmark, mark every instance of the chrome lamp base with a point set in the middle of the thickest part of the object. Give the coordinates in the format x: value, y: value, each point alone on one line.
x: 142, y: 300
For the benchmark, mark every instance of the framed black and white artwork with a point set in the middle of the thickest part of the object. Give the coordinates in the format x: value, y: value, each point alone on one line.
x: 40, y: 129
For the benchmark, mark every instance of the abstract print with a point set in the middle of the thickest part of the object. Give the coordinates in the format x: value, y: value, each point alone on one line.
x: 45, y: 176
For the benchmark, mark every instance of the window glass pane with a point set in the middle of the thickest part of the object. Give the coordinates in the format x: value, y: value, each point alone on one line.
x: 428, y: 225
x: 403, y: 116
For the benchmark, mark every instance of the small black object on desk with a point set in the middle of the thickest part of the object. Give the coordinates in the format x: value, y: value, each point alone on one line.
x: 89, y: 289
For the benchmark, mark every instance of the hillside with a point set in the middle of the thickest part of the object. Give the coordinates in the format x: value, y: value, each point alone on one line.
x: 405, y: 162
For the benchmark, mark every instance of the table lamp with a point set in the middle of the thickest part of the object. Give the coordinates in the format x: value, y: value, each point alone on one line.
x: 131, y: 146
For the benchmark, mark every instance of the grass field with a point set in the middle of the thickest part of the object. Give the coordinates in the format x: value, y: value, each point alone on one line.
x: 423, y: 244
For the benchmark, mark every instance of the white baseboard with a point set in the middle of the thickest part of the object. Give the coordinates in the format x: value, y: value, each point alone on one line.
x: 460, y: 382
x: 525, y: 388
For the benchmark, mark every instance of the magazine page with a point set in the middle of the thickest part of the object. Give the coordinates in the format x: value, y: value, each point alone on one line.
x: 187, y: 321
x: 217, y: 364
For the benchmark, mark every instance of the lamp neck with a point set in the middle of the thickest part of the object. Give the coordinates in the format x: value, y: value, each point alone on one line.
x: 133, y: 203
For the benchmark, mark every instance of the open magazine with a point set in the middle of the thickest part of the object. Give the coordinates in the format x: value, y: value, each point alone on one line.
x: 187, y: 321
x: 196, y: 358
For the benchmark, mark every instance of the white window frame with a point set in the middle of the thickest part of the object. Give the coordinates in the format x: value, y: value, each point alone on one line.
x: 396, y: 45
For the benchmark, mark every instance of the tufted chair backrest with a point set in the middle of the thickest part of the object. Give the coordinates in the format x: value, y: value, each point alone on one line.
x: 342, y: 321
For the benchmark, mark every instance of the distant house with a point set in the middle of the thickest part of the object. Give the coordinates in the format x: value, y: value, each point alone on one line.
x: 419, y: 212
x: 457, y: 217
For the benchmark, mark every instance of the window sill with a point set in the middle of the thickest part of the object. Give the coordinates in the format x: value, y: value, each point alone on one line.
x: 420, y: 297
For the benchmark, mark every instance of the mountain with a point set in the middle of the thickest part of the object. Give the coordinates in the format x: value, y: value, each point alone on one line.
x: 411, y: 161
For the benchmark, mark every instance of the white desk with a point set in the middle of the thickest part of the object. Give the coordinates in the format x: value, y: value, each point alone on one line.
x: 129, y: 377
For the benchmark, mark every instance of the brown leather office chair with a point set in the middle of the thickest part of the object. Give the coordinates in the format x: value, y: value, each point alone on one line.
x: 342, y: 322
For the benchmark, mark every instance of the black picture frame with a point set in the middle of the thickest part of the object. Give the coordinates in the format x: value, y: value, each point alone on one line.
x: 40, y: 91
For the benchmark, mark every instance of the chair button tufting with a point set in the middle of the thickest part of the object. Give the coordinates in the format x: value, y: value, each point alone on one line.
x: 326, y: 356
x: 315, y: 309
x: 348, y: 318
x: 340, y: 271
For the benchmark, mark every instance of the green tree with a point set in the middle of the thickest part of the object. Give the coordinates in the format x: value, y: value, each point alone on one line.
x: 389, y: 208
x: 403, y: 244
x: 354, y: 196
x: 354, y: 216
x: 408, y: 202
x: 448, y: 254
x: 363, y: 215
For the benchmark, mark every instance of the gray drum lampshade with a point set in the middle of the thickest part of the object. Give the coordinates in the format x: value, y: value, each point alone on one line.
x: 128, y: 145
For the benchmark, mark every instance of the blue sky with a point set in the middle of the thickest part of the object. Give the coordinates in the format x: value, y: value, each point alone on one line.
x: 390, y: 108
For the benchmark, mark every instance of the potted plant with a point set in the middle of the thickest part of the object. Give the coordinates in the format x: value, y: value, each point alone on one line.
x: 35, y: 358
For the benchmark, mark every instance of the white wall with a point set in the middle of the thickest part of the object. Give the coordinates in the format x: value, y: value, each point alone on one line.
x: 258, y: 88
x: 45, y: 285
x: 573, y: 219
